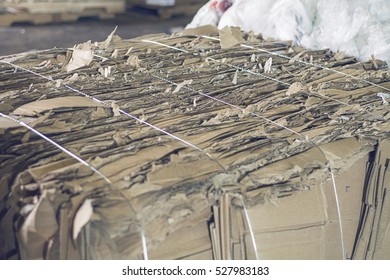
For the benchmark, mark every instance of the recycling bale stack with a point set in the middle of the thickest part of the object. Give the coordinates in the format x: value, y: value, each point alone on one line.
x: 131, y: 149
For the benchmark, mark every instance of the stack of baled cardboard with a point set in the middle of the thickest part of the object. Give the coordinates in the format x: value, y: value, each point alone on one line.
x: 180, y: 149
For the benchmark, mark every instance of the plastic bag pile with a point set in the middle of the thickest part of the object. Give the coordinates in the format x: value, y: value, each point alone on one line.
x: 360, y: 28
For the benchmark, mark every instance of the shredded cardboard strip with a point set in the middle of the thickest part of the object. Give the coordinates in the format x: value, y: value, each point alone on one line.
x: 171, y: 189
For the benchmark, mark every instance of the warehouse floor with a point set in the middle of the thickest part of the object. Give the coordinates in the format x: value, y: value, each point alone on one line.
x: 136, y: 22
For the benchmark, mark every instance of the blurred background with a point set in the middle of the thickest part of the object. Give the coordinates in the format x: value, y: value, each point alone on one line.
x: 27, y: 25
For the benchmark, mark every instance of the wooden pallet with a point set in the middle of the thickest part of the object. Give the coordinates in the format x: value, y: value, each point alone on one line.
x: 9, y: 19
x: 38, y: 12
x: 181, y: 7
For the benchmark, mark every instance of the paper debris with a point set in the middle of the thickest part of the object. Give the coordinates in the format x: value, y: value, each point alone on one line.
x: 296, y: 57
x: 43, y: 65
x: 40, y: 221
x: 235, y: 78
x: 133, y: 61
x: 202, y: 30
x: 128, y: 51
x: 193, y: 60
x: 82, y: 56
x: 268, y: 65
x: 230, y: 36
x: 115, y: 53
x: 374, y: 62
x: 107, y: 42
x: 74, y: 77
x: 61, y: 58
x: 181, y: 85
x: 105, y: 72
x: 384, y: 96
x: 340, y: 55
x: 115, y: 109
x: 294, y: 88
x: 253, y: 58
x: 82, y: 217
x: 58, y: 83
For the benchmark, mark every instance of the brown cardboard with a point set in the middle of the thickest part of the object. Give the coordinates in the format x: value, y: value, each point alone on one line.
x: 207, y: 169
x: 305, y: 225
x: 230, y: 36
x: 185, y: 243
x: 372, y: 238
x: 38, y: 107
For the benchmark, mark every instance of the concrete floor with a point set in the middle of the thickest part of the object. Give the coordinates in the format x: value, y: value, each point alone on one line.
x: 21, y: 38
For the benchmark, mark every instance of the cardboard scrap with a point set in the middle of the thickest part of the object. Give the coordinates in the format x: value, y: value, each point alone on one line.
x: 83, y: 216
x: 202, y: 30
x: 134, y: 61
x: 235, y: 78
x: 384, y: 97
x: 294, y: 88
x: 230, y: 37
x: 268, y: 65
x: 82, y: 55
x: 109, y: 39
x: 181, y: 85
x: 6, y: 123
x: 39, y: 226
x: 39, y: 107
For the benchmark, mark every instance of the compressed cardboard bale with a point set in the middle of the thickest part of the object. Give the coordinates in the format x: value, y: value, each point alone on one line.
x: 152, y: 145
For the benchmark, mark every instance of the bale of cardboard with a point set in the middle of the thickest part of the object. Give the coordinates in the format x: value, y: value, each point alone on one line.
x: 173, y: 147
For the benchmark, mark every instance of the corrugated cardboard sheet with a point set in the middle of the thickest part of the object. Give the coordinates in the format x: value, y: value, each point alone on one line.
x: 193, y: 151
